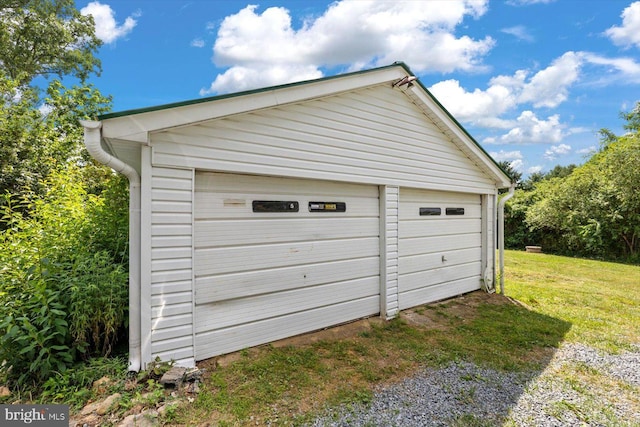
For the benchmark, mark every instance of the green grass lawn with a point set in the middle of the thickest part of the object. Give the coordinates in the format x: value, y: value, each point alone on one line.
x: 600, y: 300
x: 551, y: 300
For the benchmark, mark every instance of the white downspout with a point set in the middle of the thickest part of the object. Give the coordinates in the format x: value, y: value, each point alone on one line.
x: 501, y: 204
x: 92, y: 136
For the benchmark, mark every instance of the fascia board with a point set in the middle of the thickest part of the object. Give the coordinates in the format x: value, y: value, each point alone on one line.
x: 137, y: 127
x: 459, y: 136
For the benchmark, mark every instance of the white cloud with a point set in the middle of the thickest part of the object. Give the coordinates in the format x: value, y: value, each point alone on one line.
x: 246, y: 78
x: 197, y: 42
x: 627, y: 68
x: 546, y: 88
x: 587, y: 151
x: 520, y: 32
x: 534, y: 169
x: 549, y: 87
x: 506, y: 155
x: 529, y: 129
x: 517, y: 165
x: 557, y: 150
x: 480, y: 107
x: 107, y: 29
x: 356, y: 34
x: 629, y: 33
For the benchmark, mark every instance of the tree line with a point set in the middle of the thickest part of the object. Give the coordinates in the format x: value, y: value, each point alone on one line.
x: 591, y: 210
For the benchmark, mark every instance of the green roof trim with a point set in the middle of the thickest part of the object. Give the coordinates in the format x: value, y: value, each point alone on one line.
x: 239, y: 94
x: 300, y: 83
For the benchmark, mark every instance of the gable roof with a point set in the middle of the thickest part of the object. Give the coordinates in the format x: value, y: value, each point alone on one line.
x: 137, y: 125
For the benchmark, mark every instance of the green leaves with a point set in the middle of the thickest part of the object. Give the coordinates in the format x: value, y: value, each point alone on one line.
x: 592, y: 210
x: 63, y: 292
x: 44, y: 37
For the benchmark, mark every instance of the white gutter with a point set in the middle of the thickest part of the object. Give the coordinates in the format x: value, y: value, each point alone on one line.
x: 92, y: 137
x: 501, y: 204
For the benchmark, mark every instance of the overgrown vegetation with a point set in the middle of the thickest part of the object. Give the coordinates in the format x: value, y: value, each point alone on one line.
x: 591, y: 210
x: 64, y: 287
x: 63, y: 219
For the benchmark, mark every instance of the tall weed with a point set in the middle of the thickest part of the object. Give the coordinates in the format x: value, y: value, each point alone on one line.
x: 63, y: 291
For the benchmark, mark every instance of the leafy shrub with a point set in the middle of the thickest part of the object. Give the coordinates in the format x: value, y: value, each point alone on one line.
x: 63, y: 292
x: 73, y: 386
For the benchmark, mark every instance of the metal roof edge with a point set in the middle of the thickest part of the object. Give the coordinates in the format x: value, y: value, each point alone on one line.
x: 167, y: 106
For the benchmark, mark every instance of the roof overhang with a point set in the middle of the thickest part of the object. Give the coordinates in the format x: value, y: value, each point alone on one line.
x: 122, y: 129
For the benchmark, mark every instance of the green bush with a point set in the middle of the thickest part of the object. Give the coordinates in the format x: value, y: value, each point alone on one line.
x: 63, y: 290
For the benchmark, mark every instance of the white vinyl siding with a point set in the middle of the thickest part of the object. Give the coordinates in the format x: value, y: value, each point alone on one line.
x: 171, y: 264
x: 372, y: 136
x: 439, y: 256
x: 389, y: 255
x: 262, y: 276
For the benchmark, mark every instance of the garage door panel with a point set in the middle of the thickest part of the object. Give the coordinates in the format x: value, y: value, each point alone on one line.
x: 437, y: 292
x: 240, y: 205
x: 422, y: 245
x: 246, y: 310
x: 419, y: 279
x: 225, y: 340
x: 412, y: 264
x: 249, y: 283
x: 243, y: 258
x: 250, y: 232
x: 409, y: 211
x: 255, y: 269
x: 409, y: 195
x: 440, y: 227
x: 440, y: 255
x: 215, y: 182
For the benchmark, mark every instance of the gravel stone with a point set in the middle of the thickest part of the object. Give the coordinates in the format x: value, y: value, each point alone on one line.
x: 462, y: 393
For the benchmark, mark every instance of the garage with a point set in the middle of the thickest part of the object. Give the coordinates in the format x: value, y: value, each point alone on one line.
x: 276, y: 257
x: 440, y: 245
x: 269, y: 213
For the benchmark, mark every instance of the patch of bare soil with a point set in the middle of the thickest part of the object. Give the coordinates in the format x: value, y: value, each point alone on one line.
x: 433, y: 315
x: 462, y: 308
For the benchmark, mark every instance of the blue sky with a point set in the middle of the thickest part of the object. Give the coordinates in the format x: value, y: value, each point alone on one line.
x: 532, y: 80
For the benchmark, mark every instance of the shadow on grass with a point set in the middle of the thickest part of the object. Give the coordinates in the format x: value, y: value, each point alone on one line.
x: 476, y: 355
x: 464, y: 361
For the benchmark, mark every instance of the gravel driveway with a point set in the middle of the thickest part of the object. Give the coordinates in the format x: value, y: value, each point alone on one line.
x: 579, y: 387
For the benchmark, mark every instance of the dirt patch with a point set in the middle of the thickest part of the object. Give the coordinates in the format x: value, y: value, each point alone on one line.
x: 436, y: 315
x: 334, y: 333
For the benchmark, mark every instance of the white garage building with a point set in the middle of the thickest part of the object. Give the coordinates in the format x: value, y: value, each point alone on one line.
x: 265, y: 214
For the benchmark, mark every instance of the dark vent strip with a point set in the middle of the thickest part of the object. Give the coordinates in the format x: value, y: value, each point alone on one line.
x: 275, y: 206
x: 430, y: 211
x: 455, y: 211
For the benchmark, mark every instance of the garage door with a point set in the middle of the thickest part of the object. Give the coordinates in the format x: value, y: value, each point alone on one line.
x: 276, y: 257
x: 439, y: 245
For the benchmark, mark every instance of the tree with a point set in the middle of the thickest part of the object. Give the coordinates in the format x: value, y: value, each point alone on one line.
x: 589, y: 210
x: 46, y: 37
x: 513, y: 174
x: 37, y: 136
x: 39, y: 130
x: 632, y: 119
x: 560, y: 171
x: 63, y: 218
x: 595, y: 210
